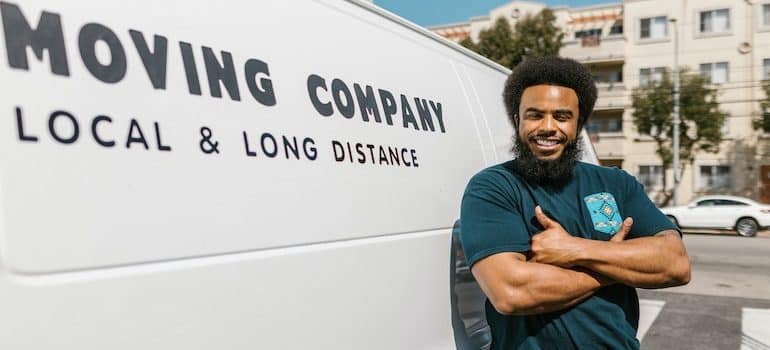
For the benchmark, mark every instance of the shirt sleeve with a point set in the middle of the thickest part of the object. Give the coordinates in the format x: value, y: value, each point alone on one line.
x: 490, y: 222
x: 648, y: 219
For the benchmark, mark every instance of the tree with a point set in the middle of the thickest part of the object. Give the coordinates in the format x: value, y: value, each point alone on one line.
x: 701, y: 119
x: 763, y: 121
x: 532, y: 36
x: 536, y: 36
x: 496, y: 43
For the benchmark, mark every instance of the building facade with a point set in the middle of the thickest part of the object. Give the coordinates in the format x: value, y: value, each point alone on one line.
x: 631, y: 43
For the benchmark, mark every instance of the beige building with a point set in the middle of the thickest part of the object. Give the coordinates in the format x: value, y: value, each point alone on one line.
x: 630, y: 43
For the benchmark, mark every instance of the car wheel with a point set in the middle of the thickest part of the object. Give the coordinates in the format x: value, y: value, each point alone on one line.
x: 673, y: 220
x: 747, y: 227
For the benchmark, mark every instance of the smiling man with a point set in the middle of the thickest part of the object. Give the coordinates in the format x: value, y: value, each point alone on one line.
x: 544, y: 234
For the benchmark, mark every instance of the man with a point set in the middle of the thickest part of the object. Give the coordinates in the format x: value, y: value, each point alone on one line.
x: 544, y: 233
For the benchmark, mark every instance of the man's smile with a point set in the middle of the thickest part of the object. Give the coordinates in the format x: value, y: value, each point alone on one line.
x: 546, y: 145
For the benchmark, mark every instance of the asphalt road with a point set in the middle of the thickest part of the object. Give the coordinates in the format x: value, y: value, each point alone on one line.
x: 725, y: 306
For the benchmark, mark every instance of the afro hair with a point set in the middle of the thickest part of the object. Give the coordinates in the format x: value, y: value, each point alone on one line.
x: 550, y: 70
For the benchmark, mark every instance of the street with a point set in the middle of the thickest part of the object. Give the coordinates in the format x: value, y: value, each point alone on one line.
x: 725, y: 306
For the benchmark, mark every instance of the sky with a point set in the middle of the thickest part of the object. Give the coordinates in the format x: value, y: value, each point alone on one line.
x: 434, y: 12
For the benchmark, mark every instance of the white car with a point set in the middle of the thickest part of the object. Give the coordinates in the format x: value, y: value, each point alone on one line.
x: 743, y: 215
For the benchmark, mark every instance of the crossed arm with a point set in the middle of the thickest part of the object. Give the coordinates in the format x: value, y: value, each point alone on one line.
x: 564, y: 270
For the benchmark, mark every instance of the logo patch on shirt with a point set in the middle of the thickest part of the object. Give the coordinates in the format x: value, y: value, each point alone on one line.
x: 604, y: 212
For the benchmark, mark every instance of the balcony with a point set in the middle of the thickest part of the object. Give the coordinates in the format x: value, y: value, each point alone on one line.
x: 612, y: 96
x: 595, y: 49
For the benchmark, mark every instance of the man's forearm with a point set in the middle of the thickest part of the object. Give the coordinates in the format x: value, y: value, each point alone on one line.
x: 542, y: 288
x: 649, y: 262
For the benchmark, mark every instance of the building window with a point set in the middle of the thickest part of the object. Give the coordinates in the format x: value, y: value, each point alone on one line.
x: 608, y: 77
x: 715, y: 21
x: 714, y: 177
x: 617, y: 28
x: 653, y: 28
x: 605, y: 122
x: 766, y: 15
x: 649, y: 76
x: 766, y: 68
x: 651, y: 176
x: 717, y: 73
x: 588, y: 33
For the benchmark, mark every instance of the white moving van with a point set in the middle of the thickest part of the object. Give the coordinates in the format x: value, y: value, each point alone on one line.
x: 235, y: 175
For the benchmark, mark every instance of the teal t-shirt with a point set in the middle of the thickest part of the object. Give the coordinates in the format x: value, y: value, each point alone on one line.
x: 498, y: 215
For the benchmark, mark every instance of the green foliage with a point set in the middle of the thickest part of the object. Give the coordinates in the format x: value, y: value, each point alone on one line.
x: 496, y: 43
x: 536, y: 36
x: 468, y: 44
x: 532, y: 36
x: 701, y: 119
x: 763, y: 121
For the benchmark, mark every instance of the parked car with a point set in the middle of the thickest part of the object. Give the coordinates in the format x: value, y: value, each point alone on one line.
x: 743, y: 215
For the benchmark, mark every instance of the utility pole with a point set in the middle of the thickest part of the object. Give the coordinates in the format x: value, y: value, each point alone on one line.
x: 676, y: 121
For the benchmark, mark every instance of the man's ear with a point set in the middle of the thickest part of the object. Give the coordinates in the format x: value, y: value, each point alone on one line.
x: 516, y: 120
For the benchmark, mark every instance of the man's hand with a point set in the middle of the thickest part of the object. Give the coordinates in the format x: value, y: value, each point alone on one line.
x: 555, y: 246
x: 622, y: 233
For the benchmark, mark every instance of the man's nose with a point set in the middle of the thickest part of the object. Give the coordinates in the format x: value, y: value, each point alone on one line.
x: 548, y: 123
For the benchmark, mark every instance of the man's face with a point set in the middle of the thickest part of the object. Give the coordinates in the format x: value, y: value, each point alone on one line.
x: 548, y: 120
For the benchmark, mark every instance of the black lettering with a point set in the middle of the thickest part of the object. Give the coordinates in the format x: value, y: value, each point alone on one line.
x: 414, y: 158
x: 154, y: 61
x: 161, y: 146
x: 46, y: 36
x: 437, y: 111
x: 20, y: 127
x: 347, y: 109
x: 371, y: 151
x: 290, y: 146
x: 383, y: 156
x: 422, y: 110
x: 190, y: 69
x: 337, y: 156
x: 263, y: 91
x: 134, y: 139
x: 350, y: 152
x: 224, y: 73
x: 403, y: 157
x: 268, y: 136
x: 394, y: 158
x: 313, y: 83
x: 249, y: 152
x: 367, y: 103
x: 52, y: 127
x: 407, y: 114
x: 95, y: 133
x: 310, y: 152
x: 389, y: 107
x: 109, y: 73
x: 361, y: 155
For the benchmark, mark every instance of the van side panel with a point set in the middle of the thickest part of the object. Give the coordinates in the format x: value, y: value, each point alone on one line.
x: 274, y: 174
x: 235, y: 175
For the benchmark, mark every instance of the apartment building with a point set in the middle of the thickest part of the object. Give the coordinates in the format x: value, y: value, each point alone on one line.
x: 630, y: 43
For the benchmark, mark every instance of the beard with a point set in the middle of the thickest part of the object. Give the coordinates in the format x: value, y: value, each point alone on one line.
x: 556, y: 172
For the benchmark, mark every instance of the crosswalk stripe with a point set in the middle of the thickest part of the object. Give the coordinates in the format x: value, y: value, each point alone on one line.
x: 755, y: 328
x: 648, y: 312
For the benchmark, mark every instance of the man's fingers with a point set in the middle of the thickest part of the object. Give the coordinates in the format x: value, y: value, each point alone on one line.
x: 622, y: 233
x: 544, y: 219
